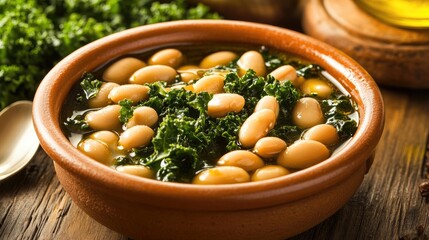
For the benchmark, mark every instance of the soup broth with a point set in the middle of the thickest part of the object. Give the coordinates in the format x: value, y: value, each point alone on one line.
x: 202, y: 114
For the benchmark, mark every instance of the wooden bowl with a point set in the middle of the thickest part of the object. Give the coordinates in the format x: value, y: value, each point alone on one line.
x: 393, y: 56
x: 148, y: 209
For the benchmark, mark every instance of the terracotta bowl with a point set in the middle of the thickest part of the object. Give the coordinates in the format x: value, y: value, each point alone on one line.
x: 149, y: 209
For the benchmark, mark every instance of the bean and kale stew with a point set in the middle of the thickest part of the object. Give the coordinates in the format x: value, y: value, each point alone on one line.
x: 208, y: 115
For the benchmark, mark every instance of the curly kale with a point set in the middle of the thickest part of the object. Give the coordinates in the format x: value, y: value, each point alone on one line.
x: 126, y: 111
x: 28, y: 36
x: 250, y: 86
x: 25, y: 45
x: 337, y: 113
x: 174, y: 10
x: 181, y: 135
x: 15, y: 85
x: 78, y: 30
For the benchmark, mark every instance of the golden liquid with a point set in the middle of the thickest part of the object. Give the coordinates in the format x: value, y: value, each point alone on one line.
x: 402, y: 13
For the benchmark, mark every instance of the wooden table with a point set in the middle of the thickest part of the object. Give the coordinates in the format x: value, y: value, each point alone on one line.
x: 388, y: 205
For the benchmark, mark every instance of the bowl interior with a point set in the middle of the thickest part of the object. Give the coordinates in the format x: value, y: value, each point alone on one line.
x: 55, y: 87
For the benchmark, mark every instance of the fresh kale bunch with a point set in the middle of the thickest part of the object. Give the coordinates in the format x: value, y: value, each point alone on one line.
x: 36, y: 34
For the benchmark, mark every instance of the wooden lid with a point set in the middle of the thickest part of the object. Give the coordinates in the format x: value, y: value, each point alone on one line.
x: 393, y: 56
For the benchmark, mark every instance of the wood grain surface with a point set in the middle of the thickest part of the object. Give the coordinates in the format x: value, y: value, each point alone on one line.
x: 388, y: 204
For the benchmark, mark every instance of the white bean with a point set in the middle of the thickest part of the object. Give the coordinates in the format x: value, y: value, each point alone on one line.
x: 324, y: 133
x: 218, y: 59
x: 223, y: 103
x: 210, y: 84
x: 133, y: 92
x: 316, y: 87
x: 307, y: 113
x: 169, y: 57
x: 221, y: 175
x: 189, y: 67
x: 137, y: 136
x: 96, y: 150
x: 269, y: 172
x: 102, y: 98
x: 285, y: 73
x: 188, y: 76
x: 303, y: 154
x: 120, y: 71
x: 268, y: 102
x: 106, y: 118
x: 153, y: 73
x: 269, y: 147
x: 251, y: 60
x: 136, y: 170
x: 256, y: 127
x: 143, y: 116
x: 241, y: 158
x: 108, y: 137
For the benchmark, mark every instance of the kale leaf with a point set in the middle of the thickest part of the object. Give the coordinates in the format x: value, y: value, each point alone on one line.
x: 176, y: 146
x: 309, y: 71
x: 272, y: 61
x: 285, y: 93
x: 226, y: 130
x: 250, y: 86
x: 126, y: 111
x: 337, y: 113
x: 78, y: 30
x: 77, y: 124
x: 178, y: 164
x: 26, y: 42
x: 182, y: 134
x: 90, y: 85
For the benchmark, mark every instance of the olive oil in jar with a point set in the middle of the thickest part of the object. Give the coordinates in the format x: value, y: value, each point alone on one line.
x: 401, y: 13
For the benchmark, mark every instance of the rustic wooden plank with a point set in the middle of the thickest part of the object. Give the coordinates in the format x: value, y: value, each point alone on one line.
x: 388, y: 205
x: 22, y: 197
x: 33, y: 205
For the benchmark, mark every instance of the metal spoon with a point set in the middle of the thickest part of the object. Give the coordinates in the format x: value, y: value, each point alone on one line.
x: 18, y: 140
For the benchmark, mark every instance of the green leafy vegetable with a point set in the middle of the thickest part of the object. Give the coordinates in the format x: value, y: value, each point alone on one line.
x: 309, y: 71
x: 126, y: 111
x: 13, y: 81
x: 178, y: 163
x: 78, y: 30
x: 181, y: 136
x: 250, y: 86
x: 336, y: 112
x: 26, y: 42
x: 271, y: 61
x: 77, y: 124
x: 90, y: 85
x: 285, y: 93
x: 225, y: 130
